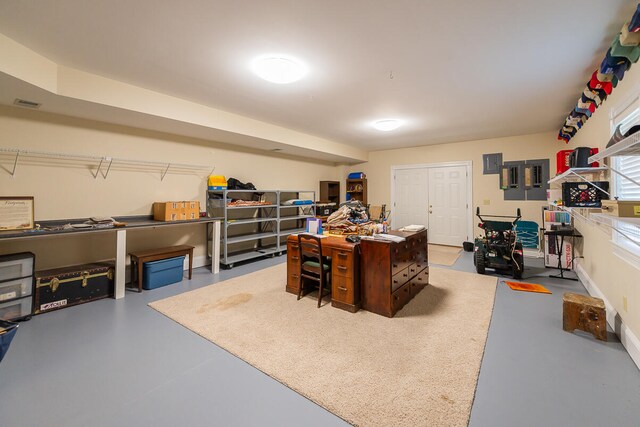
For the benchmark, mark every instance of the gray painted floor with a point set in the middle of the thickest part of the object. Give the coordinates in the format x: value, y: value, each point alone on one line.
x: 120, y: 363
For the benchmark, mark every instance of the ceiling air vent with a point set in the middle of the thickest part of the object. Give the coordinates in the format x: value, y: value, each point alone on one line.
x: 27, y: 104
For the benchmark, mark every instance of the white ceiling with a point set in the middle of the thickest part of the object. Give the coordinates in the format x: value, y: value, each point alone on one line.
x: 453, y: 70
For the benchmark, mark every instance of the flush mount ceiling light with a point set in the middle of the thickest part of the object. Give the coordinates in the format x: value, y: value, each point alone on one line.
x: 280, y: 69
x: 387, y: 125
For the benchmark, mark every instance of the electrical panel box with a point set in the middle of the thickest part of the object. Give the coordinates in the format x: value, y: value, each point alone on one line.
x: 536, y: 179
x: 491, y: 163
x: 512, y: 180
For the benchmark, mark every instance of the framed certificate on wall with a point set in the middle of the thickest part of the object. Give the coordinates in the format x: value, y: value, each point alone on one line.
x: 16, y: 213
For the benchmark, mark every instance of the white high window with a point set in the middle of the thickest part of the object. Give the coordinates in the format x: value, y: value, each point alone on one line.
x: 627, y: 115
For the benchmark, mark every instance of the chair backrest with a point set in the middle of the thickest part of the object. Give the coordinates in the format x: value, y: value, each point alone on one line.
x: 310, y: 248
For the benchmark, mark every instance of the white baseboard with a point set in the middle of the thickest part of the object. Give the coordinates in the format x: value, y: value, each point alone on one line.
x: 629, y: 340
x: 198, y: 261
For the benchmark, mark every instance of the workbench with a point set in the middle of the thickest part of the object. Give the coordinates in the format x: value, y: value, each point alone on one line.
x: 53, y: 228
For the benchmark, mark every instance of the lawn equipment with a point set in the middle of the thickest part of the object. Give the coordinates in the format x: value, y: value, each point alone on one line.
x: 498, y: 249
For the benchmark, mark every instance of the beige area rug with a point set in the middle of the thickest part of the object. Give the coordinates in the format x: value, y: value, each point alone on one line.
x: 419, y: 368
x: 443, y: 255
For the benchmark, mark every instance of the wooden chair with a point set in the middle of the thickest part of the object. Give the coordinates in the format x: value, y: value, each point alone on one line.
x: 313, y: 265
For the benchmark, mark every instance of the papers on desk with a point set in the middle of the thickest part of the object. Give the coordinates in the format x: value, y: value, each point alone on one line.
x: 388, y: 238
x: 413, y: 228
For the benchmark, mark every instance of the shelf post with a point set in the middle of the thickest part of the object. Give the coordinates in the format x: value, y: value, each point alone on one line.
x: 15, y: 165
x: 165, y: 172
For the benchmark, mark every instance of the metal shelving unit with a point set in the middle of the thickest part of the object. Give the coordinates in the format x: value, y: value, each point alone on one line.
x: 291, y: 217
x: 250, y: 232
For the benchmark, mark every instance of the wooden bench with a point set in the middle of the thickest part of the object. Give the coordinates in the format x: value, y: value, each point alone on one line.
x: 584, y: 313
x: 138, y: 259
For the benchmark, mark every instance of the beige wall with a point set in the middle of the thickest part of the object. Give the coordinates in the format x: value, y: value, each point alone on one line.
x: 612, y: 275
x: 485, y: 187
x: 65, y: 190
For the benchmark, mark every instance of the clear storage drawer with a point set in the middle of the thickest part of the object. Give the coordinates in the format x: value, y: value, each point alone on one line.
x: 16, y: 266
x: 16, y: 288
x: 16, y: 309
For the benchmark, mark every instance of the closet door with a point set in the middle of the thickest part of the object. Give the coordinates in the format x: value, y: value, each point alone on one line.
x: 411, y: 197
x: 448, y: 210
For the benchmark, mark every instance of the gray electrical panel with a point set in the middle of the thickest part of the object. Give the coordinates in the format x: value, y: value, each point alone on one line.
x: 536, y: 179
x: 491, y: 163
x: 512, y: 180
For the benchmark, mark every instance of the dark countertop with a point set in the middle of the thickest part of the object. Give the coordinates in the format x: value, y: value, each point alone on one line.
x: 137, y: 221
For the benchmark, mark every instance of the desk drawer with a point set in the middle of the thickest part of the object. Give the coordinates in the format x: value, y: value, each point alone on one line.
x: 400, y: 298
x: 342, y: 289
x: 342, y: 263
x: 422, y: 278
x: 399, y: 279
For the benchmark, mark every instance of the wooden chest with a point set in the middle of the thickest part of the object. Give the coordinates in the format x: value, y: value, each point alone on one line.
x: 67, y: 286
x: 393, y: 273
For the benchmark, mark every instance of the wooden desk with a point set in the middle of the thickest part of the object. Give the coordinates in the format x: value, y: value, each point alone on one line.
x: 345, y: 270
x: 138, y: 259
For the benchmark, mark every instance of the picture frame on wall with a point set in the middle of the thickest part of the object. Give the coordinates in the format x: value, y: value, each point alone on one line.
x: 17, y: 213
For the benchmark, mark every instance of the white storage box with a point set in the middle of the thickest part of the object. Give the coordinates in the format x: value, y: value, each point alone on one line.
x: 16, y: 309
x: 16, y: 288
x: 16, y: 266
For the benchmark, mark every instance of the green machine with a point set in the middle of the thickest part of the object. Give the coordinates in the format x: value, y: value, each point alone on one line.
x: 498, y: 248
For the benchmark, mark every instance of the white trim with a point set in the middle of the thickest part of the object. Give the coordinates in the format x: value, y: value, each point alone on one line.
x: 629, y: 340
x: 626, y: 255
x: 468, y: 164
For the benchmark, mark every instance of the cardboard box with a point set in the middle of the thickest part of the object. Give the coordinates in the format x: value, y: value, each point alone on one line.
x: 622, y: 208
x: 176, y: 211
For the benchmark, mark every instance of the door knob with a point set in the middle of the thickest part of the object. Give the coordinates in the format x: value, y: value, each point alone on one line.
x: 430, y: 211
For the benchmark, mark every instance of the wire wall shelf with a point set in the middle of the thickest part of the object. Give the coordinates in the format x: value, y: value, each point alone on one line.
x: 99, y: 166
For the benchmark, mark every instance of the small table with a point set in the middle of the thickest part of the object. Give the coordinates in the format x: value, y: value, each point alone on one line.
x: 567, y: 232
x: 140, y: 257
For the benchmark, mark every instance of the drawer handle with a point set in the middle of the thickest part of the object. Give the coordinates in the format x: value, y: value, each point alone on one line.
x: 395, y: 265
x: 342, y: 255
x: 340, y: 288
x: 295, y: 276
x: 294, y: 246
x: 342, y: 267
x: 395, y: 280
x: 295, y: 258
x: 405, y: 275
x: 420, y: 278
x: 406, y: 289
x: 395, y: 297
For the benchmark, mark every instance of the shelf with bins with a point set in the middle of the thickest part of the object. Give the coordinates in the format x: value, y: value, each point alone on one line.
x: 254, y: 231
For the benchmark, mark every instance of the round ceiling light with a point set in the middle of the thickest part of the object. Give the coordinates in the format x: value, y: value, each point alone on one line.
x: 387, y: 125
x: 280, y: 69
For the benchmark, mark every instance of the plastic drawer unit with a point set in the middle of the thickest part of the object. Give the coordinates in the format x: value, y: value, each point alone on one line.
x: 15, y: 266
x: 162, y: 272
x: 16, y: 286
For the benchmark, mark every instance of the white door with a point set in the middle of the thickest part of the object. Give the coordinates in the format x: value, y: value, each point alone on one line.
x: 448, y: 210
x: 411, y: 198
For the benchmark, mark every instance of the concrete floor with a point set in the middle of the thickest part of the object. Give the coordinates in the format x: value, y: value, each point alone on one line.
x: 120, y: 363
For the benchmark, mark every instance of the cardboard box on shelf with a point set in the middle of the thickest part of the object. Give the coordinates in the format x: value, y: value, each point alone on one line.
x: 176, y: 211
